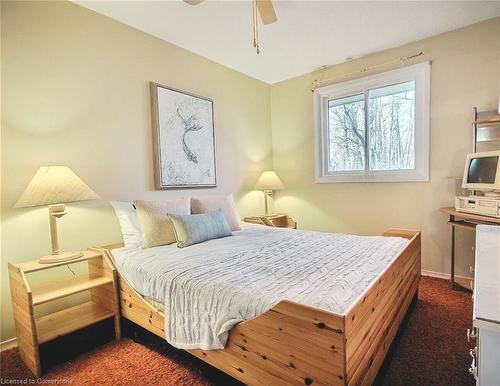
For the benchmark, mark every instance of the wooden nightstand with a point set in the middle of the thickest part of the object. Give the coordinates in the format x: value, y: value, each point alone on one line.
x: 273, y: 220
x: 32, y: 331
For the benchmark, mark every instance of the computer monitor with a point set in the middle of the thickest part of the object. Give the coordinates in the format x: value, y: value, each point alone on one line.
x: 482, y: 172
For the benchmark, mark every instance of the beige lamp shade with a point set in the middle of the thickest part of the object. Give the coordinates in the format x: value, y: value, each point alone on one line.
x: 55, y: 185
x: 269, y: 181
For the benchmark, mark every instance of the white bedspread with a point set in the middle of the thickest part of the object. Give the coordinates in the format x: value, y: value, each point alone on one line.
x: 209, y: 287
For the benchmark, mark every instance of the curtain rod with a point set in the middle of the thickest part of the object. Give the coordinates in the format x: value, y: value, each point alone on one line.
x: 402, y: 60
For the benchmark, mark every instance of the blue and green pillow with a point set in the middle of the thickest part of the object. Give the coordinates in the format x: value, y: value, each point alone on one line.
x: 192, y: 229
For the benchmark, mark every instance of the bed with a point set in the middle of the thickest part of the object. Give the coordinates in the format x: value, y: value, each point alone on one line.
x: 288, y: 341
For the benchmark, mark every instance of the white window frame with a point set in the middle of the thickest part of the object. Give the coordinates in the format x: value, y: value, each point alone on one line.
x: 421, y: 74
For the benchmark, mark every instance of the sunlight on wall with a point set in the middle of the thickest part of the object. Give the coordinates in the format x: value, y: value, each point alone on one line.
x: 297, y: 206
x: 251, y: 203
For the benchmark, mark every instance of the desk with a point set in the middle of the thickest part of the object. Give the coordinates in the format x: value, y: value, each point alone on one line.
x: 467, y: 221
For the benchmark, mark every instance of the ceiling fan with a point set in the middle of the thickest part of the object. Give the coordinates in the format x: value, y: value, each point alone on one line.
x: 266, y: 11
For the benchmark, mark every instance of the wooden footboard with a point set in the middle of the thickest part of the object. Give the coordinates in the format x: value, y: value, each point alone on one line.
x: 373, y: 321
x: 293, y: 344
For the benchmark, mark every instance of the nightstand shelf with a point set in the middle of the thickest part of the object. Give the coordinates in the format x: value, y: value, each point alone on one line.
x: 101, y: 284
x: 57, y: 289
x: 52, y: 326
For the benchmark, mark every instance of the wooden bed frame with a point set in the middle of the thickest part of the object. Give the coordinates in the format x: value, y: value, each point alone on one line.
x: 294, y: 344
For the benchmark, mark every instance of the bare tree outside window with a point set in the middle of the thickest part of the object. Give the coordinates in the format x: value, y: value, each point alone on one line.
x: 391, y: 130
x: 391, y: 125
x: 346, y: 123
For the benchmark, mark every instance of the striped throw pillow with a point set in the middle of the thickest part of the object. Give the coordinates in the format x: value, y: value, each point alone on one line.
x: 196, y: 228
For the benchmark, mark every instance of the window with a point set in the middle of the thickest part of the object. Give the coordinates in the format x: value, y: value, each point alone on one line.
x: 374, y: 129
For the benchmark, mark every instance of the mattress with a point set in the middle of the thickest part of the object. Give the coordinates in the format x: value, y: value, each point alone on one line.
x: 207, y: 288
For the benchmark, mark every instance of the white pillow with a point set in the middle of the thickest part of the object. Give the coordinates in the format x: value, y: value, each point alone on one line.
x: 129, y: 223
x: 212, y: 203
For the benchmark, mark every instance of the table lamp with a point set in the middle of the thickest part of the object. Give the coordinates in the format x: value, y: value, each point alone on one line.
x: 268, y: 182
x: 54, y: 186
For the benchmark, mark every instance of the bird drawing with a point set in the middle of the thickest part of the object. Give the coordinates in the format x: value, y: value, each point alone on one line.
x: 189, y: 125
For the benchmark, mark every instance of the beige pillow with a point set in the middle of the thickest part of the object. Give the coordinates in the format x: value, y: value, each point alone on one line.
x: 211, y: 203
x: 155, y: 225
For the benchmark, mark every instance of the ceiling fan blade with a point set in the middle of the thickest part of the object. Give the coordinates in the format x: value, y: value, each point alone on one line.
x: 266, y: 11
x: 193, y: 2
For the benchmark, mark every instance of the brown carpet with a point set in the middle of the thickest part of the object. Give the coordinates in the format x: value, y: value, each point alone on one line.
x: 430, y: 350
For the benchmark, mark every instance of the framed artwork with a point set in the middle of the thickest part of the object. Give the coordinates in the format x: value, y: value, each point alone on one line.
x: 183, y: 139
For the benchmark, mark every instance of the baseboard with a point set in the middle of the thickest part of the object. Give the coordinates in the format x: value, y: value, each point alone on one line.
x: 8, y: 344
x: 463, y: 281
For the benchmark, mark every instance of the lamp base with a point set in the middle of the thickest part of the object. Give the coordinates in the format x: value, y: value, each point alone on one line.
x: 60, y: 257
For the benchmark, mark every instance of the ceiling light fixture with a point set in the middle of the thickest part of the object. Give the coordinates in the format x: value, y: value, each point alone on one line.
x: 255, y: 29
x: 263, y: 7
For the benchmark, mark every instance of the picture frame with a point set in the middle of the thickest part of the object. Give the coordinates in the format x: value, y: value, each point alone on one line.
x: 183, y: 139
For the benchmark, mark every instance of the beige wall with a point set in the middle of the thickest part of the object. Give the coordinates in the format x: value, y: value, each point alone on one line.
x: 75, y: 91
x: 465, y: 73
